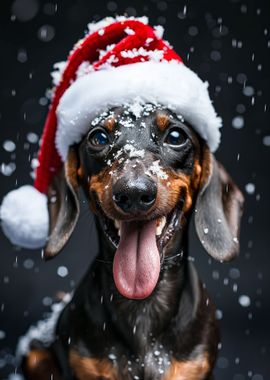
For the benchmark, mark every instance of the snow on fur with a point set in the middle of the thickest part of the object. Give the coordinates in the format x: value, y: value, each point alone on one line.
x: 171, y: 84
x: 44, y: 331
x: 24, y: 216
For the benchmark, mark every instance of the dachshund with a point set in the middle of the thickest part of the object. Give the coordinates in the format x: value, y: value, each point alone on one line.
x: 140, y: 312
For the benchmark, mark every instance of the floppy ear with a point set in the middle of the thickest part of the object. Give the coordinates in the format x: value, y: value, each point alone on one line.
x: 218, y: 210
x: 64, y: 207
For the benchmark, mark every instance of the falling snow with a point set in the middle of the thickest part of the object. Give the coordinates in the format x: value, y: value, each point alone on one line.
x: 9, y: 146
x: 238, y: 122
x: 238, y: 86
x: 266, y: 140
x: 62, y: 271
x: 250, y: 188
x: 244, y: 300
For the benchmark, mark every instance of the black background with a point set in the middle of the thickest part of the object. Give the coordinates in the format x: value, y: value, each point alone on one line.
x: 226, y: 43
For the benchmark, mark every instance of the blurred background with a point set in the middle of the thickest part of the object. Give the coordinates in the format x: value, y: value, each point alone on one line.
x: 226, y: 42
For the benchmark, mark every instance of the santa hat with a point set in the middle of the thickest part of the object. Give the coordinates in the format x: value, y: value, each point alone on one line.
x: 119, y: 60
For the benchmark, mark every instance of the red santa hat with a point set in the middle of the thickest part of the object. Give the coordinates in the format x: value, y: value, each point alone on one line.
x: 118, y: 61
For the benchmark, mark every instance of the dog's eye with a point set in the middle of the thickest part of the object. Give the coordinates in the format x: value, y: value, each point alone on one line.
x: 175, y: 137
x: 98, y: 138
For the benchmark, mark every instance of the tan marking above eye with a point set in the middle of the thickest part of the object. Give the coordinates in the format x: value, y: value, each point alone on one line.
x: 162, y: 120
x: 110, y: 123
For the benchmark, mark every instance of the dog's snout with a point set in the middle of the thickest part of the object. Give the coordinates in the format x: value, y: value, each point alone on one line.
x: 134, y: 195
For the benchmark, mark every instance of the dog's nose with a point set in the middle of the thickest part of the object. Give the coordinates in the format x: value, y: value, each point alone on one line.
x: 134, y: 195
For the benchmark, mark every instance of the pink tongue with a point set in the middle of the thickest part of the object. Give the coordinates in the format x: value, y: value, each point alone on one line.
x: 136, y: 264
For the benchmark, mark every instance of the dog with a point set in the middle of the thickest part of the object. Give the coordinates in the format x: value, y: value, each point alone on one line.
x: 140, y: 312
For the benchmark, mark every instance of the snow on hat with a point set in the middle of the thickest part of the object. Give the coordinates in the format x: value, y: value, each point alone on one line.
x: 117, y: 61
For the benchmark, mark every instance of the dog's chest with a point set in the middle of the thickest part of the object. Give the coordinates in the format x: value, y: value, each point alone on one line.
x: 152, y: 364
x: 102, y: 348
x: 155, y: 364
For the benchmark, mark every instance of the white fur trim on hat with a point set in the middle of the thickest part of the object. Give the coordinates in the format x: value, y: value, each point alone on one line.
x: 171, y: 84
x: 24, y: 216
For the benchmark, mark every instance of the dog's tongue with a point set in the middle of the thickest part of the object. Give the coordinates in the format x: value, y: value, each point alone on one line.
x: 136, y: 264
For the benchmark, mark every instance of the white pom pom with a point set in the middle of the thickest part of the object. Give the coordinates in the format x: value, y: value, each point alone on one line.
x: 25, y: 218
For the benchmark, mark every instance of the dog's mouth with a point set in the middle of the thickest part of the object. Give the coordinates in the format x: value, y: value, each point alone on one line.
x: 140, y: 246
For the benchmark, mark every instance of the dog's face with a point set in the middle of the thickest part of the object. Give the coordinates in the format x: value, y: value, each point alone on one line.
x: 143, y: 168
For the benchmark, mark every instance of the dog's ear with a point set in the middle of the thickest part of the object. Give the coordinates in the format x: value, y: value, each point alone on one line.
x: 64, y: 207
x: 218, y: 210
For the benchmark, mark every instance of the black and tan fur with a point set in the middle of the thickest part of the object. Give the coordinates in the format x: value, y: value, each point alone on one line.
x: 171, y: 335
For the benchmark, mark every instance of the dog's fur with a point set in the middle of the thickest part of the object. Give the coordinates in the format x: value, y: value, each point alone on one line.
x: 172, y: 334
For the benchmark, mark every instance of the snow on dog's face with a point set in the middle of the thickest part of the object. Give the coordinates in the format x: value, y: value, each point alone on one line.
x: 143, y: 168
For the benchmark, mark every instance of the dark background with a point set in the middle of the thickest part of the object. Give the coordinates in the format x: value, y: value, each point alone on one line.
x: 226, y: 43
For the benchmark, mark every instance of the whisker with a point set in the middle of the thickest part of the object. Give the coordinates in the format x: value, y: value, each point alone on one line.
x: 180, y: 254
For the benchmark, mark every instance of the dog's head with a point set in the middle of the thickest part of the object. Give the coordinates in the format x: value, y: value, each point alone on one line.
x: 144, y: 170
